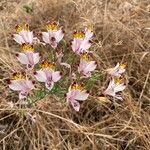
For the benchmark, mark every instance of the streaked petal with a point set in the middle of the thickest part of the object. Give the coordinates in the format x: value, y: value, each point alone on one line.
x: 40, y: 76
x: 119, y: 88
x: 75, y: 104
x: 81, y: 95
x: 49, y: 85
x: 45, y: 37
x: 18, y: 38
x: 22, y: 57
x: 56, y: 76
x: 36, y: 58
x: 23, y: 94
x: 90, y: 67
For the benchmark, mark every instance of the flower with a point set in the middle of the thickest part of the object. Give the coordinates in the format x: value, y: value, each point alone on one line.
x: 81, y: 42
x: 117, y: 70
x: 24, y: 35
x: 53, y: 35
x: 86, y: 66
x: 28, y: 56
x: 76, y: 93
x: 114, y: 87
x: 89, y: 32
x: 19, y: 82
x: 48, y: 74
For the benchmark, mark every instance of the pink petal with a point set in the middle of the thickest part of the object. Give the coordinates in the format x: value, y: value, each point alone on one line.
x: 18, y: 38
x: 30, y: 37
x: 22, y: 57
x: 75, y: 104
x: 36, y: 58
x: 119, y: 87
x: 56, y: 76
x: 15, y: 85
x: 59, y: 35
x: 90, y: 67
x: 30, y: 85
x: 49, y: 85
x: 81, y: 95
x: 40, y: 76
x: 85, y: 45
x: 23, y: 95
x: 46, y: 38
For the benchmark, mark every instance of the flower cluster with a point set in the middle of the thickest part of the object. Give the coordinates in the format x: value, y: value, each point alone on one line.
x: 47, y: 71
x: 116, y: 83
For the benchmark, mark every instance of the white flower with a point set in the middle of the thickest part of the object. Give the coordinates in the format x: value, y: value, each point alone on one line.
x: 114, y: 87
x: 48, y: 75
x: 117, y: 70
x: 19, y: 82
x: 76, y: 93
x: 24, y: 35
x: 53, y: 35
x: 86, y: 66
x: 28, y: 56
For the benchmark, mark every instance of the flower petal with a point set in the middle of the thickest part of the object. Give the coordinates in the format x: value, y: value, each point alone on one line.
x: 45, y: 37
x: 36, y: 58
x: 119, y: 87
x: 23, y: 94
x: 18, y: 38
x: 81, y: 95
x: 40, y: 76
x: 90, y: 67
x: 49, y: 85
x: 75, y: 104
x: 22, y: 57
x: 56, y: 76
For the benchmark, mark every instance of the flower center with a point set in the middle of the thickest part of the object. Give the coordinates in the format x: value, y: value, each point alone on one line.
x: 22, y: 28
x: 27, y: 48
x: 18, y: 76
x: 119, y: 81
x: 48, y: 65
x: 85, y: 56
x: 123, y: 66
x: 79, y: 35
x: 76, y: 86
x: 52, y: 26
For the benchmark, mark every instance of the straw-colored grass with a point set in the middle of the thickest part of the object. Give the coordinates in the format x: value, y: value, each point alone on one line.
x: 122, y: 33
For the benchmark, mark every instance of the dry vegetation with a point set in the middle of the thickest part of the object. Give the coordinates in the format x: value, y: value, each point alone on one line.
x: 122, y: 33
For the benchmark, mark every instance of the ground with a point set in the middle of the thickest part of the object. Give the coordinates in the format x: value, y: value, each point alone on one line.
x: 122, y: 33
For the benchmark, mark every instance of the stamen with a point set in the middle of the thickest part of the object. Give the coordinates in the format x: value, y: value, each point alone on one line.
x: 52, y: 26
x: 79, y: 35
x: 123, y: 66
x: 19, y: 76
x: 21, y: 28
x: 27, y: 48
x: 119, y: 81
x: 85, y: 56
x: 48, y: 65
x: 76, y: 86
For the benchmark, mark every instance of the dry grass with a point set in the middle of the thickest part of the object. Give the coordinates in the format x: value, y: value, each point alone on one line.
x: 122, y: 33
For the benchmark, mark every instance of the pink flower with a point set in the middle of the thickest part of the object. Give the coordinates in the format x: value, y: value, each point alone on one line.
x: 89, y: 33
x: 24, y: 35
x: 86, y: 66
x: 53, y: 35
x: 76, y: 93
x: 48, y: 75
x: 81, y: 42
x: 117, y: 70
x: 20, y: 83
x: 114, y: 87
x: 28, y: 56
